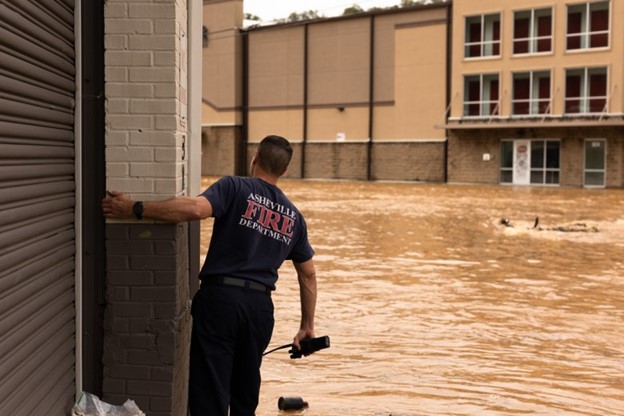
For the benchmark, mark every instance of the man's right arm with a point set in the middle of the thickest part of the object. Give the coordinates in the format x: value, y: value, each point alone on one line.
x: 118, y: 205
x: 306, y: 274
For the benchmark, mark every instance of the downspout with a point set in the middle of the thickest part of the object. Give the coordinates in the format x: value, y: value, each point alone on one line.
x: 242, y: 152
x: 90, y: 186
x: 305, y: 99
x: 194, y: 133
x: 371, y: 97
x: 78, y: 295
x: 449, y: 46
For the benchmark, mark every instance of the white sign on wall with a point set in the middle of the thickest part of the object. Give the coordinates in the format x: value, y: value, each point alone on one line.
x: 522, y: 162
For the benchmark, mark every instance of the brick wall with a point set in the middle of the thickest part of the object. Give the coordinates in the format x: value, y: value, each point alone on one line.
x: 220, y: 150
x: 145, y: 62
x: 465, y: 162
x: 416, y: 161
x: 466, y: 149
x: 325, y: 160
x: 147, y: 322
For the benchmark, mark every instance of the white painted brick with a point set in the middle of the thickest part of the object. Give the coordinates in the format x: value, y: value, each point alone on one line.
x: 115, y: 10
x: 116, y: 154
x: 129, y: 154
x: 130, y: 90
x: 129, y: 26
x: 152, y: 42
x: 131, y: 185
x: 169, y: 186
x: 153, y: 138
x: 116, y: 138
x: 115, y: 42
x: 153, y: 11
x: 153, y: 74
x: 128, y: 58
x: 166, y: 90
x: 166, y: 122
x: 164, y: 58
x: 117, y: 169
x: 144, y: 133
x: 153, y: 170
x: 127, y: 122
x: 168, y: 26
x: 163, y: 154
x: 115, y: 74
x: 147, y: 106
x: 117, y: 105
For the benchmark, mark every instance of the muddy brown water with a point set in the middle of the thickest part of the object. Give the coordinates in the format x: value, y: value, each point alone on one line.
x: 434, y: 307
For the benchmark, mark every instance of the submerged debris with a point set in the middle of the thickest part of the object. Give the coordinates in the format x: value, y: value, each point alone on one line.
x: 575, y: 227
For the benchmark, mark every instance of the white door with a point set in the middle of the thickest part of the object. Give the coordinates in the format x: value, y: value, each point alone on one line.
x: 522, y: 162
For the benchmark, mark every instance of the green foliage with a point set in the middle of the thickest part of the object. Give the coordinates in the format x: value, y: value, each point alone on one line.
x: 352, y: 10
x: 298, y: 17
x: 249, y: 16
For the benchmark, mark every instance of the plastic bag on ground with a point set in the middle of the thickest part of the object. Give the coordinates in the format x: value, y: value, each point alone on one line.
x: 90, y: 405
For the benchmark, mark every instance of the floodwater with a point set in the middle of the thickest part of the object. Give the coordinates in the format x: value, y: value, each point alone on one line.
x: 434, y: 307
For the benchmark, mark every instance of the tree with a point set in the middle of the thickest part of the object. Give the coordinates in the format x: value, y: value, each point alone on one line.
x: 249, y: 16
x: 352, y: 10
x: 297, y: 17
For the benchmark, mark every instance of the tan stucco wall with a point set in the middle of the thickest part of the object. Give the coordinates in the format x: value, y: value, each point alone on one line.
x: 409, y: 79
x: 420, y: 81
x: 222, y: 61
x: 282, y: 122
x: 276, y: 66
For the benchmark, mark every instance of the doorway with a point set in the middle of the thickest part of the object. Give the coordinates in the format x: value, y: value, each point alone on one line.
x: 530, y: 162
x: 595, y: 163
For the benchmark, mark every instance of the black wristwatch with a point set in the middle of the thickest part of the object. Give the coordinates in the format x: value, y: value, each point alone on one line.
x: 137, y: 209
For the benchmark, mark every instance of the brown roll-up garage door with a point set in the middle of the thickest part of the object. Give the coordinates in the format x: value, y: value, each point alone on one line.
x: 37, y: 201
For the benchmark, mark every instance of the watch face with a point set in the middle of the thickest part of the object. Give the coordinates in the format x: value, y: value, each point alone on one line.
x: 137, y: 209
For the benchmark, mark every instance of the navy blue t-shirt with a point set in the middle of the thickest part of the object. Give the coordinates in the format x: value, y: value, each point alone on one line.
x: 256, y: 228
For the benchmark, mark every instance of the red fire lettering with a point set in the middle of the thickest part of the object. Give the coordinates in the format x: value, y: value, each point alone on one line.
x: 287, y: 226
x: 252, y: 209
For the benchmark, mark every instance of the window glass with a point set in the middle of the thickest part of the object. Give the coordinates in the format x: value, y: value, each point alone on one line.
x: 507, y: 154
x: 531, y: 93
x: 482, y: 36
x: 481, y: 95
x: 532, y: 31
x: 586, y: 90
x: 588, y: 25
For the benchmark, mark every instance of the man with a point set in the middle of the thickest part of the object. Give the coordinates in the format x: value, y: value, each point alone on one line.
x: 256, y: 228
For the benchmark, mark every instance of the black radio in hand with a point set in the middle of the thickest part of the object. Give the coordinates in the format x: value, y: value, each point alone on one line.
x: 308, y: 346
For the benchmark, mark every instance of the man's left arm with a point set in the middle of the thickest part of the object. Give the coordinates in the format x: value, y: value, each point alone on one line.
x: 306, y: 274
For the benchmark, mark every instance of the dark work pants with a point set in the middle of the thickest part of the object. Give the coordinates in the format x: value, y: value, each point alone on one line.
x: 231, y: 329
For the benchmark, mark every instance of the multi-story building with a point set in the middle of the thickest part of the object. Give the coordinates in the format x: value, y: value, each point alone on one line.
x: 536, y: 94
x: 480, y: 91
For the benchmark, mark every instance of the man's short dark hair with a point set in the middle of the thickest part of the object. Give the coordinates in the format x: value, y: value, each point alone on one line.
x: 274, y: 154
